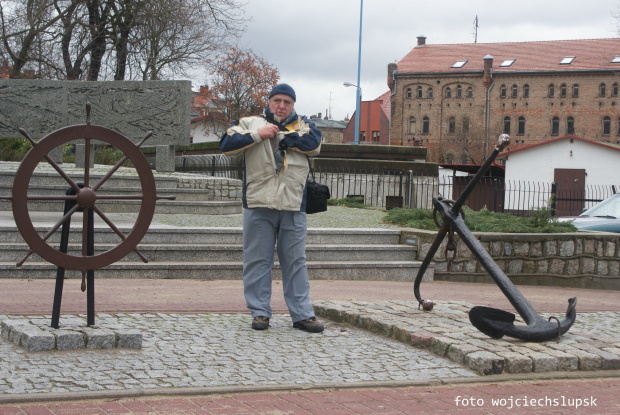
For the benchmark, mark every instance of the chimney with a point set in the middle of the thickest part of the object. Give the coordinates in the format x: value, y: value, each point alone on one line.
x: 392, y: 67
x: 488, y: 64
x: 421, y: 40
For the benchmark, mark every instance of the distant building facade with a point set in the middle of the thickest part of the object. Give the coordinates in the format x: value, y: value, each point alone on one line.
x: 457, y: 99
x: 374, y: 122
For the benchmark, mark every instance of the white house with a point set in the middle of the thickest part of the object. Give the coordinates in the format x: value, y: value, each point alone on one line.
x: 569, y: 161
x: 208, y: 128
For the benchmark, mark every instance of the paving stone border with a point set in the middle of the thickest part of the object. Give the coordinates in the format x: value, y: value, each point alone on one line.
x: 35, y: 337
x: 447, y: 332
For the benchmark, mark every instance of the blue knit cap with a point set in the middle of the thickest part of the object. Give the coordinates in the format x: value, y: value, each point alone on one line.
x: 283, y: 89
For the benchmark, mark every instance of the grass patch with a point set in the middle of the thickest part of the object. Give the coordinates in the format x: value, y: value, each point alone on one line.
x: 539, y: 221
x: 351, y: 202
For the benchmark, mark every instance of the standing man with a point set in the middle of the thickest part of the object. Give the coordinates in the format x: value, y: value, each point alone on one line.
x: 276, y: 146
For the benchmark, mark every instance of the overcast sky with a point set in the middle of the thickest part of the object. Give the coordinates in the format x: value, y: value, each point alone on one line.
x: 314, y: 43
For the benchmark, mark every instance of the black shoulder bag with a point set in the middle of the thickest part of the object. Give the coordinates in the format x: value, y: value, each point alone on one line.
x: 317, y: 193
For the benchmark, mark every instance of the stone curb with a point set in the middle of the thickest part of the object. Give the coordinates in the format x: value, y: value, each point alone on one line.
x: 166, y: 392
x: 447, y: 332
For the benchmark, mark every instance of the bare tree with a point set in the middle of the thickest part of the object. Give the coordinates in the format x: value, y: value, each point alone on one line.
x: 241, y: 83
x: 119, y: 39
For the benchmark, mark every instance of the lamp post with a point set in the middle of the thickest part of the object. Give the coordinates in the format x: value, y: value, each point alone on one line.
x: 359, y: 90
x: 357, y: 111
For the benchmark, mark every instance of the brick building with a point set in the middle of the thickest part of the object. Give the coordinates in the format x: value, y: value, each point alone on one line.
x: 456, y: 99
x: 374, y: 122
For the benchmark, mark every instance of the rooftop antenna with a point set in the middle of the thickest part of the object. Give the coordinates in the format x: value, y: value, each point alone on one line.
x: 476, y: 29
x: 329, y: 116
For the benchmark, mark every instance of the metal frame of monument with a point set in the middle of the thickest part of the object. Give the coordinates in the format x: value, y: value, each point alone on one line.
x: 493, y: 322
x: 82, y: 197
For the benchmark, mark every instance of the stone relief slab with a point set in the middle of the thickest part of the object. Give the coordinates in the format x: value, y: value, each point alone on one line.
x: 130, y: 107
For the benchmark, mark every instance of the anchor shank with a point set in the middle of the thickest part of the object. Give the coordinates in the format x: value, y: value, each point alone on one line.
x: 518, y: 301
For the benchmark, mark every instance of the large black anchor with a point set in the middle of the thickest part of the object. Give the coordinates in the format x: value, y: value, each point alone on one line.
x: 493, y: 322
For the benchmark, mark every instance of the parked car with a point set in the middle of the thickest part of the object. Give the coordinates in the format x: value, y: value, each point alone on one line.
x: 604, y: 216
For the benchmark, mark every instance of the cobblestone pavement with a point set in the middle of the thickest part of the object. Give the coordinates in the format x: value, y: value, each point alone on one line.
x: 211, y: 350
x: 592, y: 343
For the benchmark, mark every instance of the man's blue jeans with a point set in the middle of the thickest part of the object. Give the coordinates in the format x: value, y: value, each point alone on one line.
x: 263, y: 230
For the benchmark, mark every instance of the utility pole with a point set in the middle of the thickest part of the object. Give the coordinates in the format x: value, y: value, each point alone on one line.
x: 476, y: 29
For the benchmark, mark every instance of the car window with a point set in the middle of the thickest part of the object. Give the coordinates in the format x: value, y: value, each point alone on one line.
x: 608, y: 207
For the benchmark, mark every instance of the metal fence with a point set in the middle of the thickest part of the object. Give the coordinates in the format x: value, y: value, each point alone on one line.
x: 389, y: 189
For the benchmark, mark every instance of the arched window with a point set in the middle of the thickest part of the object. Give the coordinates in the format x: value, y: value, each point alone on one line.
x: 563, y: 91
x: 470, y: 92
x: 419, y: 92
x: 425, y: 125
x: 408, y: 94
x: 570, y: 126
x: 606, y: 125
x: 514, y: 90
x: 451, y: 125
x: 412, y: 125
x: 555, y: 126
x: 450, y: 158
x: 601, y: 90
x: 506, y: 125
x: 459, y: 91
x: 448, y: 92
x: 502, y: 91
x: 551, y: 91
x: 429, y: 93
x: 526, y: 91
x: 575, y: 90
x: 521, y: 126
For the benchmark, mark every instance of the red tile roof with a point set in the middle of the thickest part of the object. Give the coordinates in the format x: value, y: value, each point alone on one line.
x: 530, y: 56
x: 385, y: 103
x: 609, y: 146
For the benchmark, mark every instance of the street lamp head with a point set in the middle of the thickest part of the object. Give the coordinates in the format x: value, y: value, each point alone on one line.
x: 348, y: 84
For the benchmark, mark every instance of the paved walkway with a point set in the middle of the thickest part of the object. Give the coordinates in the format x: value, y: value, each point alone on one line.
x: 199, y: 355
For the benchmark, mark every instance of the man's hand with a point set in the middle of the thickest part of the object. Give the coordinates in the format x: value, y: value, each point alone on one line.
x: 268, y: 131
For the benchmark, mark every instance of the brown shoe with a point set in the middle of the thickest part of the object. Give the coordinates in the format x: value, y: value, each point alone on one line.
x: 260, y: 323
x: 310, y: 324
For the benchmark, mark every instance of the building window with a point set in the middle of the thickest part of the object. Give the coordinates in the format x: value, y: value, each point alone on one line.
x: 506, y: 125
x: 375, y: 137
x: 459, y: 64
x: 555, y: 126
x: 425, y: 125
x: 606, y: 125
x: 614, y: 89
x: 570, y: 126
x: 502, y: 91
x: 526, y: 91
x: 514, y: 91
x: 618, y: 133
x: 362, y: 136
x: 459, y: 91
x: 567, y: 60
x: 448, y: 92
x: 551, y: 90
x: 575, y: 90
x: 419, y: 92
x: 470, y: 92
x: 451, y: 125
x: 450, y: 158
x: 521, y: 127
x: 563, y: 91
x: 412, y: 125
x: 429, y: 93
x: 408, y: 93
x: 601, y: 90
x: 465, y: 125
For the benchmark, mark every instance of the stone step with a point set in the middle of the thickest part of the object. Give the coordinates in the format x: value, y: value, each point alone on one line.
x: 318, y: 270
x: 11, y: 253
x: 133, y: 206
x: 224, y: 235
x: 118, y: 179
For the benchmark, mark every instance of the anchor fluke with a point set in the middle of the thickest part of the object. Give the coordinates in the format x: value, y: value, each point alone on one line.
x: 489, y: 320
